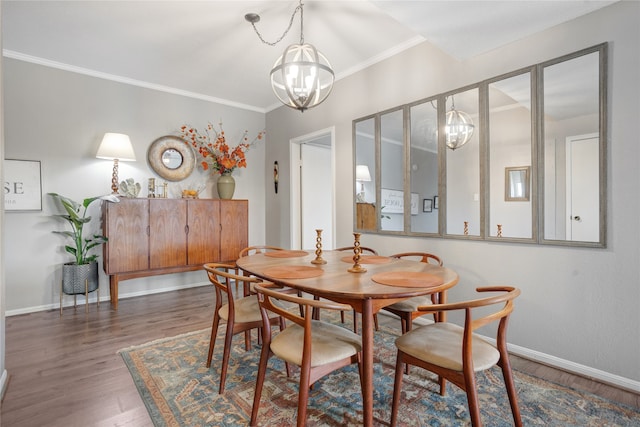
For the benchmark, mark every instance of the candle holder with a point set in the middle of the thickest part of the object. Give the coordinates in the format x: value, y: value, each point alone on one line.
x: 318, y: 259
x: 466, y: 228
x: 499, y: 230
x: 357, y: 250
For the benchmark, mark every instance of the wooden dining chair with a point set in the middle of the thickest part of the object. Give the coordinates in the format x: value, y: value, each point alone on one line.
x: 241, y: 313
x: 252, y: 250
x: 317, y: 347
x: 407, y: 310
x: 370, y: 251
x: 457, y: 353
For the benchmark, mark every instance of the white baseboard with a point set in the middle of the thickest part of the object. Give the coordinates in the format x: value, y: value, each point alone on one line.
x: 576, y: 368
x: 67, y: 300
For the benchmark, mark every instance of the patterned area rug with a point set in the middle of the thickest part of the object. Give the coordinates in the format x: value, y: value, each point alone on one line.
x: 178, y: 390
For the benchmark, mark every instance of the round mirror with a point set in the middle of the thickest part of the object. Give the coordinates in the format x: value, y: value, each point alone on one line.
x: 171, y: 158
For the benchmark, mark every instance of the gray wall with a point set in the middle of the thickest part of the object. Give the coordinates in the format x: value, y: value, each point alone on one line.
x: 59, y: 118
x: 579, y: 307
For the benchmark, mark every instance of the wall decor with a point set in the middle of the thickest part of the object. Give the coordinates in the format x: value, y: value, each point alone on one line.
x: 171, y: 158
x: 516, y: 183
x: 393, y: 201
x: 435, y: 202
x: 22, y: 185
x: 427, y: 205
x: 275, y: 175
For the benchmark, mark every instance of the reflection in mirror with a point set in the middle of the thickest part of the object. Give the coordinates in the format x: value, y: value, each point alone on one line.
x: 171, y: 158
x: 365, y: 161
x: 463, y: 172
x: 510, y: 146
x: 572, y: 176
x: 423, y: 158
x: 391, y: 171
x: 516, y: 187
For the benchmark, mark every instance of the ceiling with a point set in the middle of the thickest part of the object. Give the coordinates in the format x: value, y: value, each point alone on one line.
x: 207, y: 50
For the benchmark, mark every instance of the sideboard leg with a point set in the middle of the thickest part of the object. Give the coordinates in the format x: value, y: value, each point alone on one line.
x: 113, y: 289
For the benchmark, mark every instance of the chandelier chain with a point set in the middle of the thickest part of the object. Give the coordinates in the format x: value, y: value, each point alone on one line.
x: 253, y: 24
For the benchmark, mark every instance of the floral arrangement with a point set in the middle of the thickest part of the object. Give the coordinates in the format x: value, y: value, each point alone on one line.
x: 214, y: 150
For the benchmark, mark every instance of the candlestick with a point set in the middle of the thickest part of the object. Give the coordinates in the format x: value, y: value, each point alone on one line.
x: 357, y: 250
x: 318, y: 259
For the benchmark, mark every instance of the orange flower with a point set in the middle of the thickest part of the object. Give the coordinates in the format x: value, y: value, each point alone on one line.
x: 215, y: 152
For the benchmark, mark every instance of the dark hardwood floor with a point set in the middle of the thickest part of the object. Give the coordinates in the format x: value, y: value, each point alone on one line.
x: 65, y: 370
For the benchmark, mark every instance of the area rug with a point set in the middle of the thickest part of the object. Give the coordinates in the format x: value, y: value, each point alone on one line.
x: 178, y: 390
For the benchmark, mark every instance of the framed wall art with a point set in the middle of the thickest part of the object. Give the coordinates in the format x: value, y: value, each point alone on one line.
x: 427, y: 205
x: 22, y: 185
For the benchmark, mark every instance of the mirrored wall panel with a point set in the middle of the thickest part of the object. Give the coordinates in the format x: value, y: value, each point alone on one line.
x: 572, y: 149
x: 423, y: 169
x: 510, y: 147
x: 365, y: 171
x: 462, y: 130
x: 392, y: 200
x: 519, y: 157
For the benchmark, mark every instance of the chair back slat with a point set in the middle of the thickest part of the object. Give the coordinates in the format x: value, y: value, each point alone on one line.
x: 258, y: 249
x: 424, y: 257
x: 362, y: 249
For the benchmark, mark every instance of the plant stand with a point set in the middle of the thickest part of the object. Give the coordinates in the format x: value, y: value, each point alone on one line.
x: 79, y: 280
x: 75, y: 298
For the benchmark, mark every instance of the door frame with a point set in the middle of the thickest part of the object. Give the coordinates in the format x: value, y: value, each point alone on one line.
x: 295, y: 199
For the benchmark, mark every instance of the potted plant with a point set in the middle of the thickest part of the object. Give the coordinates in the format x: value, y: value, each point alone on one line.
x: 80, y: 276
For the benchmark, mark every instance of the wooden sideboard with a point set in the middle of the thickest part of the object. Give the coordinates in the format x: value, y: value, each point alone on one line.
x: 148, y: 237
x: 366, y: 216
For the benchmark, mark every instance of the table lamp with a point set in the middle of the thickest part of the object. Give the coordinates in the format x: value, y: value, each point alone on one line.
x: 115, y: 146
x: 362, y: 176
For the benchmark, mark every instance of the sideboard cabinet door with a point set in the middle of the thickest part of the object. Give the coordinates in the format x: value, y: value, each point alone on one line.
x: 203, y: 222
x: 234, y: 232
x: 126, y: 225
x: 167, y: 233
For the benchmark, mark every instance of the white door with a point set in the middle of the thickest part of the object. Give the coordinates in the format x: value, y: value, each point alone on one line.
x: 583, y: 188
x: 312, y: 199
x: 316, y: 195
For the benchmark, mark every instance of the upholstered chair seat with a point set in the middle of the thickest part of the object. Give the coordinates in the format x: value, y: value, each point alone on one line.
x: 329, y: 343
x: 445, y: 347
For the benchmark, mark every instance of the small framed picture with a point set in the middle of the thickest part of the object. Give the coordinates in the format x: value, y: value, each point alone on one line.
x: 435, y: 202
x: 427, y: 205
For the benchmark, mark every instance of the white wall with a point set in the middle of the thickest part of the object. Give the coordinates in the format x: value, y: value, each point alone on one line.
x: 59, y: 118
x: 579, y: 307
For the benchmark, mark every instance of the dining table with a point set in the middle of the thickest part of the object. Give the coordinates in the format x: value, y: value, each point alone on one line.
x: 381, y: 281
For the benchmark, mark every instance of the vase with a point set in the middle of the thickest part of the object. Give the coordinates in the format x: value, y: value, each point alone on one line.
x: 79, y: 279
x: 226, y: 186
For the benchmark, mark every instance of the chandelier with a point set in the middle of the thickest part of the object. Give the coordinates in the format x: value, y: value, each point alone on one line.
x: 458, y: 127
x: 301, y: 77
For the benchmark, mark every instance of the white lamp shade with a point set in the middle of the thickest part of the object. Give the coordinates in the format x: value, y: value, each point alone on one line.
x: 362, y: 173
x: 116, y: 146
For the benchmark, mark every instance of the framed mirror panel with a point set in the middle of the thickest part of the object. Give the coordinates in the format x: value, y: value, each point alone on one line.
x: 574, y: 148
x: 392, y: 197
x: 463, y: 164
x: 510, y: 157
x: 423, y: 166
x: 365, y: 175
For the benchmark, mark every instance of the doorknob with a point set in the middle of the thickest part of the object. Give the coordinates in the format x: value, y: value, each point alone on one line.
x: 576, y: 218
